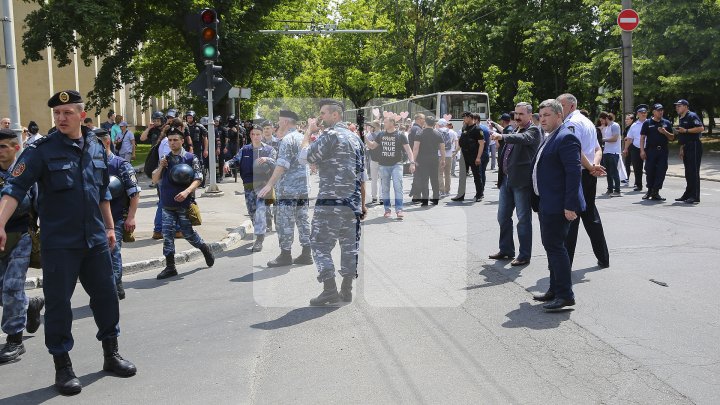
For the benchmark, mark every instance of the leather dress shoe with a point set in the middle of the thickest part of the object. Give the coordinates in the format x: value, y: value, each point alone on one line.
x: 602, y: 264
x: 458, y: 198
x: 548, y: 296
x: 501, y: 256
x: 691, y: 201
x: 637, y: 188
x: 681, y: 199
x: 558, y: 304
x: 478, y: 198
x: 520, y: 262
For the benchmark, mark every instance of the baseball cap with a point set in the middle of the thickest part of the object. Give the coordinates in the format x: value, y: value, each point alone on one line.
x: 641, y: 108
x: 505, y: 117
x: 442, y: 122
x: 658, y: 106
x: 682, y: 101
x: 123, y: 124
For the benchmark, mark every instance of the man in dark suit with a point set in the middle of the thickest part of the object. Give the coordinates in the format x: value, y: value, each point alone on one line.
x: 558, y: 200
x: 515, y: 163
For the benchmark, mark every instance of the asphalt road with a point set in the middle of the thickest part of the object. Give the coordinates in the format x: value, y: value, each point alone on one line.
x: 434, y: 320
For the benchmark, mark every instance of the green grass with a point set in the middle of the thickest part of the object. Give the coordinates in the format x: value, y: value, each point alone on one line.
x: 141, y: 152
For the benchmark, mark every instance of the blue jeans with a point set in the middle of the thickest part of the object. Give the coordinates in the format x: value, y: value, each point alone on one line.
x: 171, y: 220
x: 610, y: 161
x: 394, y: 173
x: 517, y: 199
x: 115, y: 255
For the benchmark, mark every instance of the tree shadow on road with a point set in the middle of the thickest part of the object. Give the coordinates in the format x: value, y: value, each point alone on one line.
x: 295, y: 317
x: 42, y: 395
x: 533, y: 317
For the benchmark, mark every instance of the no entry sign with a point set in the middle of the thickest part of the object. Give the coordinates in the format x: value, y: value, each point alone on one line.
x: 628, y: 19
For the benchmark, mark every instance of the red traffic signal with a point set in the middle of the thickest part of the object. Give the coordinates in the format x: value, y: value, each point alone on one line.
x: 208, y: 16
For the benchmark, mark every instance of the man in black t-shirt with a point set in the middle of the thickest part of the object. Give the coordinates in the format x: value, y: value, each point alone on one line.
x: 470, y: 140
x: 654, y: 136
x: 426, y: 147
x: 389, y: 158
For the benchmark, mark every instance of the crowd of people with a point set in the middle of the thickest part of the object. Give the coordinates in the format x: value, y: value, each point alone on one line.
x: 548, y: 161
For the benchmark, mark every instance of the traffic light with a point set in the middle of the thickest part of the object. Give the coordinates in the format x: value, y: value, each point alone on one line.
x: 209, y: 34
x: 213, y: 75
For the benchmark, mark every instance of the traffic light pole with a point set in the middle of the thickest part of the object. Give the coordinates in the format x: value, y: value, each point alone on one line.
x: 212, y: 189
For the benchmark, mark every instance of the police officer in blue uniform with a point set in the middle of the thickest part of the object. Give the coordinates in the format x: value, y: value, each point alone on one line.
x: 176, y: 195
x: 125, y: 194
x: 199, y: 138
x: 654, y: 136
x: 689, y: 130
x: 70, y: 168
x: 18, y: 312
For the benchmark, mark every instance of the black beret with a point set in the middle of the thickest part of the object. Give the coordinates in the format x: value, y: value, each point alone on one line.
x: 101, y: 132
x: 65, y: 97
x: 331, y: 101
x: 289, y: 114
x: 7, y: 134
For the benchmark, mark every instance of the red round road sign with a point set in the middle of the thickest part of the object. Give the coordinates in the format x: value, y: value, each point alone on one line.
x: 628, y: 19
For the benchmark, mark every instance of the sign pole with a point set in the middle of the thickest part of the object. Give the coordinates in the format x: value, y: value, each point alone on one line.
x: 627, y: 67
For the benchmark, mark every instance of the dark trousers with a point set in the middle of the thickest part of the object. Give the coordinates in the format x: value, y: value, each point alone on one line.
x: 627, y: 160
x: 553, y: 231
x: 692, y: 154
x: 427, y: 170
x: 610, y: 161
x: 484, y: 160
x: 591, y: 221
x: 637, y: 165
x: 469, y: 159
x: 61, y: 270
x: 656, y: 165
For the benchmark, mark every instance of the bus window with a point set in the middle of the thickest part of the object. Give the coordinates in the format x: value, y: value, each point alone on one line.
x: 425, y: 105
x: 456, y: 104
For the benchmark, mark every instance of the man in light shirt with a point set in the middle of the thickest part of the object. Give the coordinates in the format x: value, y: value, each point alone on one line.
x: 611, y: 154
x: 591, y: 155
x: 632, y: 145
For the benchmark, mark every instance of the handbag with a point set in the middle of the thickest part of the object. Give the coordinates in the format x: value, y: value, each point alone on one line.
x: 193, y: 213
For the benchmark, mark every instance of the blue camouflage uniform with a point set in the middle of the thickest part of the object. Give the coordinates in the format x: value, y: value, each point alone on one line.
x: 175, y: 213
x: 72, y: 178
x: 244, y: 160
x: 340, y: 157
x: 14, y: 262
x: 292, y: 193
x: 123, y: 170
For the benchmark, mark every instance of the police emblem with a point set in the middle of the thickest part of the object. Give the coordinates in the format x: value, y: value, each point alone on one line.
x: 18, y: 170
x: 64, y: 97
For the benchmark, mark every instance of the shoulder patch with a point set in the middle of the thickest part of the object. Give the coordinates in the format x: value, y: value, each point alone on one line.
x: 19, y: 169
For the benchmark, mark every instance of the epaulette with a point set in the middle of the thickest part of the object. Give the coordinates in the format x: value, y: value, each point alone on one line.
x: 39, y: 141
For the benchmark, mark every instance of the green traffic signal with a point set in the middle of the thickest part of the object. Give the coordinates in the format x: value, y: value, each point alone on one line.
x: 210, y: 52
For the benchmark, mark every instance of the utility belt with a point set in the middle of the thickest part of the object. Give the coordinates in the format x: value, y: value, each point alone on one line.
x: 656, y: 147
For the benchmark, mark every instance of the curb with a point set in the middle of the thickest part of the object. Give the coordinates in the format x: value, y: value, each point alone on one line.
x: 229, y: 242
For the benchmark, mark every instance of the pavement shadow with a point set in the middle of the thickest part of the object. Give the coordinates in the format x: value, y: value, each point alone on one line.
x: 494, y: 276
x: 533, y: 317
x: 150, y: 283
x: 141, y: 243
x: 45, y: 394
x: 263, y: 274
x: 578, y: 277
x: 295, y: 317
x: 240, y: 251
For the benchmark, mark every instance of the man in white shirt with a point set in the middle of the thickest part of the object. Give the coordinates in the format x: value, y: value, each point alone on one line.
x: 591, y: 154
x: 611, y: 154
x: 632, y: 145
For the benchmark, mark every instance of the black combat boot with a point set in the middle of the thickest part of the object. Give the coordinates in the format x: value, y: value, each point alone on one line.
x: 35, y: 305
x: 284, y: 259
x: 114, y: 363
x: 65, y: 380
x: 346, y: 289
x: 208, y: 255
x: 13, y: 348
x: 120, y: 290
x: 328, y: 296
x: 257, y: 246
x: 305, y: 257
x: 169, y: 270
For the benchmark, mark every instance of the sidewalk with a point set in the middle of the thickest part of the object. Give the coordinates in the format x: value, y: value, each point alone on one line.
x: 225, y: 224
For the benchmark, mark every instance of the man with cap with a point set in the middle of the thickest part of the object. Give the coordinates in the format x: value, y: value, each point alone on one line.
x: 70, y: 169
x: 18, y: 312
x: 472, y: 141
x: 176, y: 195
x: 632, y: 145
x: 654, y: 136
x: 125, y: 193
x: 199, y: 139
x: 340, y: 157
x: 291, y: 182
x: 125, y: 143
x: 690, y: 128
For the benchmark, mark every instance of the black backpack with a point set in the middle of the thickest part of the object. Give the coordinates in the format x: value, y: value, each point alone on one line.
x: 152, y: 160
